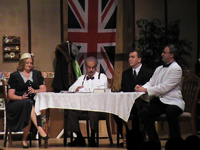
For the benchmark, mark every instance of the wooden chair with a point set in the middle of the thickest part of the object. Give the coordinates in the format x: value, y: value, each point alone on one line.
x: 111, y: 81
x: 190, y: 92
x: 5, y: 96
x: 85, y: 117
x: 8, y: 132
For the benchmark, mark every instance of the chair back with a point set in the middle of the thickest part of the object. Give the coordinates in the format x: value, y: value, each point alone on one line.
x: 190, y: 92
x: 110, y: 82
x: 5, y: 92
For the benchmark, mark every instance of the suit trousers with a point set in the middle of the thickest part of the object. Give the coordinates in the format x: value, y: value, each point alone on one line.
x: 139, y: 104
x: 73, y: 119
x: 155, y: 109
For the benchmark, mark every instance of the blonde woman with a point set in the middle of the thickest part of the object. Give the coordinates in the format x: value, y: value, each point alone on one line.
x: 23, y: 85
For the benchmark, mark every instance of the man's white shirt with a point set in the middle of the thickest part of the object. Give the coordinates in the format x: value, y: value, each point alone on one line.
x: 137, y: 69
x: 89, y: 85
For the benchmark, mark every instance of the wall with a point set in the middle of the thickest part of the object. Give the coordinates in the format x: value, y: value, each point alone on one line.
x: 45, y: 29
x: 13, y: 22
x: 183, y: 10
x: 149, y: 9
x: 186, y: 12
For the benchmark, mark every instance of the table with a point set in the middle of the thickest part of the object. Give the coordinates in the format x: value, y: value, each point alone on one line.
x: 117, y: 103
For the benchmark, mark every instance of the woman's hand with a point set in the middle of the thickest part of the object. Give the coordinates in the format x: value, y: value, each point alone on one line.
x: 31, y: 90
x: 25, y: 96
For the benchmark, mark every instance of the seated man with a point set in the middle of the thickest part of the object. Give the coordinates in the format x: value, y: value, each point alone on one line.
x: 86, y: 83
x: 136, y: 74
x: 165, y: 85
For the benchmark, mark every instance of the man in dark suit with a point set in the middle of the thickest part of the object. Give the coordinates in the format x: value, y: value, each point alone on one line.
x: 137, y: 74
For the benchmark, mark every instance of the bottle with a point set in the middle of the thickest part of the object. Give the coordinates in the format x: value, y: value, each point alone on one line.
x: 30, y: 96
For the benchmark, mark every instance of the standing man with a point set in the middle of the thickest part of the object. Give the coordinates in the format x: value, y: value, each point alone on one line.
x: 165, y: 86
x: 136, y: 74
x: 86, y: 83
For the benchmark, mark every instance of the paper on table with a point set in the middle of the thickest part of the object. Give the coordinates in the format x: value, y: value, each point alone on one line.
x: 63, y: 91
x: 84, y: 90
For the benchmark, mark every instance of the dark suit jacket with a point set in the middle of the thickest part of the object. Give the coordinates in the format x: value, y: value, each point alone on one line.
x: 128, y: 85
x: 128, y: 82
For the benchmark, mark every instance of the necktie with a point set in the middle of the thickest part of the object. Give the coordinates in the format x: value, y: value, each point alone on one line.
x: 166, y: 65
x: 134, y: 74
x: 88, y: 78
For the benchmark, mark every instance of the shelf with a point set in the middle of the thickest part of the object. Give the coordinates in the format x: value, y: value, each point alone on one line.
x: 11, y: 39
x: 15, y: 51
x: 11, y: 43
x: 11, y: 59
x: 11, y: 56
x: 11, y: 48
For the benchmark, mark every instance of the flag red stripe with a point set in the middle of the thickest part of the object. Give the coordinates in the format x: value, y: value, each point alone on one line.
x: 81, y: 59
x: 89, y: 37
x: 107, y: 9
x: 107, y: 62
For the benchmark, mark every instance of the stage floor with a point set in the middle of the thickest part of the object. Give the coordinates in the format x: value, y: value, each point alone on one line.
x: 57, y: 144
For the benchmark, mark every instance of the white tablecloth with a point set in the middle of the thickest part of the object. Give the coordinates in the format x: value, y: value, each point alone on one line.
x: 119, y: 104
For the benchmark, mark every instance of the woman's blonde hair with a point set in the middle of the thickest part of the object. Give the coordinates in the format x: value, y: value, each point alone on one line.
x: 22, y: 63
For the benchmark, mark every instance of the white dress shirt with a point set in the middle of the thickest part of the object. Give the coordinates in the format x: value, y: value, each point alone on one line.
x: 137, y: 69
x: 90, y: 85
x: 166, y: 84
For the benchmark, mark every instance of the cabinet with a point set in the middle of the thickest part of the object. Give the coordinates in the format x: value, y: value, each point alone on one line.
x: 11, y: 48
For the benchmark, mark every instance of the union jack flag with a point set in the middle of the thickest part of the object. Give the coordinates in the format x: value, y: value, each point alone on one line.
x: 92, y: 27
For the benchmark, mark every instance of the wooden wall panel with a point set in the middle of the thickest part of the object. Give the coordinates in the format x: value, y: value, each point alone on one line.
x: 45, y: 29
x: 13, y: 22
x: 186, y: 12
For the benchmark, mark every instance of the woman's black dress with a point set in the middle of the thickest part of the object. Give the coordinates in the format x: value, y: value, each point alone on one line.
x: 19, y: 111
